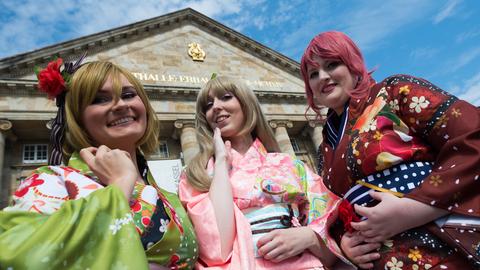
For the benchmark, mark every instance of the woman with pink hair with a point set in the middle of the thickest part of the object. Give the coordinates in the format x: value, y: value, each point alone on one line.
x: 404, y: 153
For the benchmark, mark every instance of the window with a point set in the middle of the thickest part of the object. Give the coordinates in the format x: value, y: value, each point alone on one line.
x: 163, y: 150
x: 295, y: 146
x: 35, y: 153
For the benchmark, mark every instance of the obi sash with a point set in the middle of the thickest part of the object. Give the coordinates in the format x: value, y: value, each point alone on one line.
x: 402, y: 179
x: 268, y: 218
x: 398, y: 180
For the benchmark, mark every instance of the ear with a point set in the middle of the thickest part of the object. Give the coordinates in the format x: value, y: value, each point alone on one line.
x: 359, y: 78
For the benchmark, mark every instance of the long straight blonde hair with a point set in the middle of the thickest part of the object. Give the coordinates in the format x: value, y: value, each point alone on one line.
x: 255, y: 124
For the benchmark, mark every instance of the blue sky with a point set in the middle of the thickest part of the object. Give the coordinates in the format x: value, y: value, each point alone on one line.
x: 438, y: 40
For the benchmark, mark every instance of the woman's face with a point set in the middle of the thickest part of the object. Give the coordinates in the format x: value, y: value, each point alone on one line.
x: 225, y: 112
x: 116, y: 123
x: 329, y: 82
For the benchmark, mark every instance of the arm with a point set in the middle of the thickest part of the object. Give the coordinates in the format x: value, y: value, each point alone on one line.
x: 439, y: 127
x: 221, y: 196
x: 279, y: 245
x: 100, y: 221
x: 452, y: 128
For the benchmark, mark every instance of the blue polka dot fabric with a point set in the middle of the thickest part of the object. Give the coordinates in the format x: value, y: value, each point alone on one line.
x: 401, y: 178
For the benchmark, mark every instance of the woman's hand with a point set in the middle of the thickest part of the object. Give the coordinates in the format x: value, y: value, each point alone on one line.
x: 112, y: 167
x: 281, y: 244
x: 393, y: 215
x: 222, y: 149
x: 357, y: 251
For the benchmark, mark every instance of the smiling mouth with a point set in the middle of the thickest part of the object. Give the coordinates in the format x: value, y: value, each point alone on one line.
x: 328, y: 88
x: 221, y: 118
x: 121, y: 121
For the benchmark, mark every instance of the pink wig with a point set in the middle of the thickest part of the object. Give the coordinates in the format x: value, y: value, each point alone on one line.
x: 336, y: 45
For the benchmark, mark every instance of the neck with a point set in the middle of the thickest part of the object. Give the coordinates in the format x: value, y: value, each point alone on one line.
x: 133, y: 155
x: 241, y: 144
x: 339, y: 111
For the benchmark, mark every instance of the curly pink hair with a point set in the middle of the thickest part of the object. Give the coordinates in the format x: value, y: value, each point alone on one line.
x: 336, y: 45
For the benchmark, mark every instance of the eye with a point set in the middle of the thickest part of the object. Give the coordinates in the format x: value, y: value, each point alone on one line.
x: 313, y: 74
x: 129, y: 94
x: 331, y: 65
x: 208, y: 106
x: 227, y: 96
x: 101, y: 99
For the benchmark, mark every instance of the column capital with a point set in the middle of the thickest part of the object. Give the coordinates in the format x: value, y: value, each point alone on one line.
x: 280, y: 123
x: 315, y: 123
x: 5, y: 125
x: 179, y: 124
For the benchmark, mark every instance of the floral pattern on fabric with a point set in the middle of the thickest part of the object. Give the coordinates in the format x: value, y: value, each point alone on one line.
x: 259, y: 179
x: 143, y: 210
x: 49, y: 188
x: 407, y: 119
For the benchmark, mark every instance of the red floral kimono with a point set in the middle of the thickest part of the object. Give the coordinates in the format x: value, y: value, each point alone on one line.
x: 408, y: 122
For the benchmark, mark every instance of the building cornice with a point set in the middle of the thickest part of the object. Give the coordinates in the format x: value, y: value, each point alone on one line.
x: 21, y: 64
x: 16, y: 88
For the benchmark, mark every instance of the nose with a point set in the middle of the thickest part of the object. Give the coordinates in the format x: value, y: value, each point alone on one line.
x: 323, y: 75
x: 119, y: 105
x: 217, y: 104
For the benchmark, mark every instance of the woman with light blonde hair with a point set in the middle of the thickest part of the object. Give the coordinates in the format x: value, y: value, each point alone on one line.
x: 252, y: 207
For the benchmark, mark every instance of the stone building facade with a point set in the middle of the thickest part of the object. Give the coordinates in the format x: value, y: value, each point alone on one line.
x: 173, y: 56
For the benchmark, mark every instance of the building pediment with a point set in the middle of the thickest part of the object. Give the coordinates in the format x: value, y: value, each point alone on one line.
x: 157, y: 52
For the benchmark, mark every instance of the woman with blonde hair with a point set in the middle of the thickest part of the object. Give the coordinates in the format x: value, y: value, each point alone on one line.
x: 103, y: 210
x: 252, y: 207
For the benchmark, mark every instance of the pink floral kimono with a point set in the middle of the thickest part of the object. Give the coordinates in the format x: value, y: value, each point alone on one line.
x: 271, y: 191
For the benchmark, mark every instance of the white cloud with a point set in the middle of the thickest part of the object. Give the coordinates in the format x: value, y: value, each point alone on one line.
x: 36, y: 23
x: 471, y: 90
x: 465, y: 59
x: 421, y: 54
x: 447, y: 11
x: 467, y: 35
x: 372, y: 22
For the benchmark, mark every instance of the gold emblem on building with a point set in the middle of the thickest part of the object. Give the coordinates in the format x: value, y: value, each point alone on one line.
x: 196, y: 52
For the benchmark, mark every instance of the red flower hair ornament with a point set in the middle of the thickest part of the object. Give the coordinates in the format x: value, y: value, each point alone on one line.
x: 51, y: 80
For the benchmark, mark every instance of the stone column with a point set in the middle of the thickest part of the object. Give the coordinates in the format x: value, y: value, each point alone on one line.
x: 5, y: 127
x: 315, y: 132
x: 281, y: 135
x: 188, y: 139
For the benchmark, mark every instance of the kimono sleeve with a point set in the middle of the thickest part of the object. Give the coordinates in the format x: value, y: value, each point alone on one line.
x: 95, y: 232
x: 321, y: 208
x: 201, y: 213
x: 452, y: 128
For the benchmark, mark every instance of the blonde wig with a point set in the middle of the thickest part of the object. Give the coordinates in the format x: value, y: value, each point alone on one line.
x: 255, y: 124
x: 83, y: 87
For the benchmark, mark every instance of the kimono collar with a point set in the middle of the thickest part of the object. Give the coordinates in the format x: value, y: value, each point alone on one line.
x: 335, y: 126
x: 256, y: 151
x: 76, y: 162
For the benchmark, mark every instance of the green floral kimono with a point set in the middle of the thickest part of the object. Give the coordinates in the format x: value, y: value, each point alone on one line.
x: 62, y: 218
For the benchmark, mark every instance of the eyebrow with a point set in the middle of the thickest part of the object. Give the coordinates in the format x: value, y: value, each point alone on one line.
x: 127, y: 87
